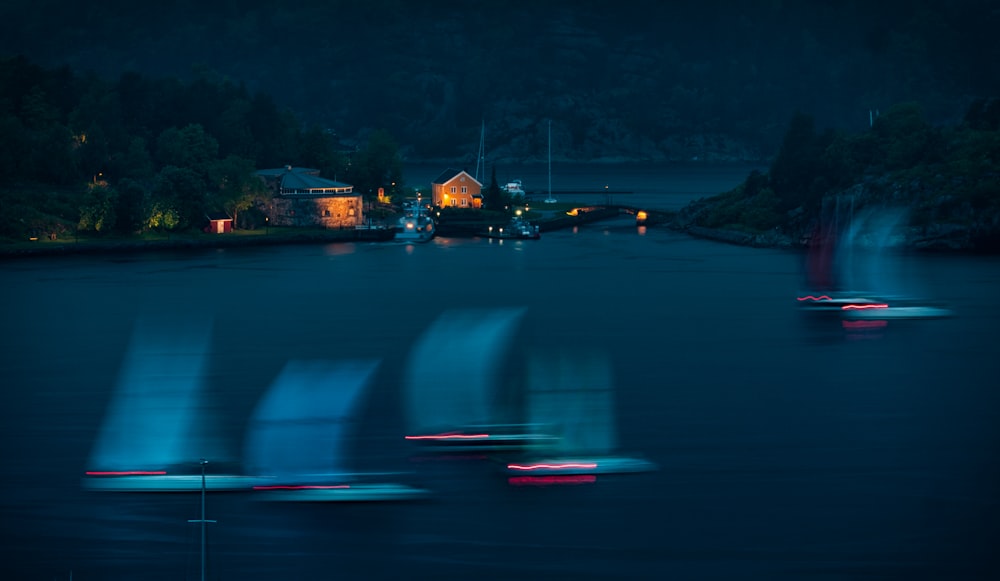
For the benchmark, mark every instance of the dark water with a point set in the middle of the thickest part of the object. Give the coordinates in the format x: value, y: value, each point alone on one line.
x: 788, y: 448
x: 656, y: 186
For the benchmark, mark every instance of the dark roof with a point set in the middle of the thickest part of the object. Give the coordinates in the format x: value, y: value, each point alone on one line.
x: 301, y: 178
x: 304, y: 181
x: 278, y: 171
x: 446, y: 176
x: 449, y: 174
x: 214, y: 216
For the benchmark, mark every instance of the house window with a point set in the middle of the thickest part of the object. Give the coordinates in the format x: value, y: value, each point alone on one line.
x: 453, y: 189
x: 465, y: 202
x: 465, y: 189
x: 326, y: 213
x: 454, y: 202
x: 350, y: 212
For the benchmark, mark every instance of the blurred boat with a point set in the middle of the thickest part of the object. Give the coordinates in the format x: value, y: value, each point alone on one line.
x: 415, y: 225
x: 153, y: 437
x: 514, y: 188
x: 517, y: 229
x: 893, y: 308
x: 573, y: 394
x: 297, y: 440
x: 852, y: 270
x: 452, y: 385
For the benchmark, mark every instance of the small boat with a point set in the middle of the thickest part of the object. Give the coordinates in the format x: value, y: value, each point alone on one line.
x: 894, y: 308
x: 514, y: 188
x: 458, y: 405
x: 297, y: 442
x: 574, y: 396
x: 415, y: 225
x: 155, y: 432
x: 518, y: 229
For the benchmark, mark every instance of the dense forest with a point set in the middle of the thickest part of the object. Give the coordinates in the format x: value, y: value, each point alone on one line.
x: 944, y: 180
x: 712, y: 79
x: 123, y: 118
x: 80, y: 154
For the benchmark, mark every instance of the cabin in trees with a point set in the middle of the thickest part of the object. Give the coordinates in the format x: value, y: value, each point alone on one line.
x: 457, y: 189
x: 300, y: 197
x: 219, y: 223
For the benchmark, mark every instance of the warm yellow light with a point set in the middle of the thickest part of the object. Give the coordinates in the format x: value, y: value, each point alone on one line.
x: 640, y: 215
x: 572, y: 212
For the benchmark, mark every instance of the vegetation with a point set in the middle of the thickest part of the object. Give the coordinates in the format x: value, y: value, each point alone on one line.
x: 943, y: 174
x: 82, y: 155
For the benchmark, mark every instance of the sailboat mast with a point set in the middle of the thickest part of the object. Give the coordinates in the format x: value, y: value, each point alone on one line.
x: 480, y: 159
x: 550, y: 159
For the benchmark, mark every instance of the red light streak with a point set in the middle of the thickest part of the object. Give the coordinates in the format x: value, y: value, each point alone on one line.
x: 547, y: 480
x: 450, y: 437
x: 876, y: 324
x: 128, y: 473
x: 552, y: 466
x: 812, y: 298
x: 301, y: 487
x: 873, y: 306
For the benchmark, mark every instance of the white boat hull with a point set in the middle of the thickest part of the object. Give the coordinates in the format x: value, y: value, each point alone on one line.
x: 347, y: 493
x: 169, y: 483
x: 580, y: 466
x: 907, y: 312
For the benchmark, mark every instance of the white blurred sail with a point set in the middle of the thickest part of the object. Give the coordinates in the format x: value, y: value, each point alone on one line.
x: 574, y: 396
x: 297, y: 433
x: 572, y: 393
x: 454, y: 370
x: 150, y: 420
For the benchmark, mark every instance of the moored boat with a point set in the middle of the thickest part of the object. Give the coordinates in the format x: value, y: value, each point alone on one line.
x: 415, y: 225
x: 518, y: 228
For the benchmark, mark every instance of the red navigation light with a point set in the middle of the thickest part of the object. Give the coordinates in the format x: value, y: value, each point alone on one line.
x: 449, y: 437
x: 871, y: 324
x: 566, y: 466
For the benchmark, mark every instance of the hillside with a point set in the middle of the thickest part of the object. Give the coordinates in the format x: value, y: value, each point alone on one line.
x: 706, y: 79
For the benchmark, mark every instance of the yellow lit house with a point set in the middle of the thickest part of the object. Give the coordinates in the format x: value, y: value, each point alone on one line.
x: 457, y: 189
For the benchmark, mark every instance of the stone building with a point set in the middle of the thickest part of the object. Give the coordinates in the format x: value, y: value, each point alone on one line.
x: 301, y: 198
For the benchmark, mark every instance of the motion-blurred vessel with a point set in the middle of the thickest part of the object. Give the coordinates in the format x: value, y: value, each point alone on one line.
x: 573, y: 394
x: 155, y: 431
x: 297, y: 442
x: 452, y: 385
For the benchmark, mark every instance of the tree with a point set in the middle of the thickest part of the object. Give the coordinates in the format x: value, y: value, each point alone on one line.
x: 494, y: 198
x: 181, y: 190
x: 97, y: 212
x: 376, y: 166
x: 129, y: 208
x: 235, y: 186
x: 190, y: 147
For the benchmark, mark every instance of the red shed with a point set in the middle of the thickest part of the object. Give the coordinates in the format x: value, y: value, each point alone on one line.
x: 219, y: 224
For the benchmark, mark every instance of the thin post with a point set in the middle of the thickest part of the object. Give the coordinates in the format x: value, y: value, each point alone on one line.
x: 202, y: 520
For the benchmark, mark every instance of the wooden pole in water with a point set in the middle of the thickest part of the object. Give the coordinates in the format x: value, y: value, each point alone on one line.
x: 202, y: 520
